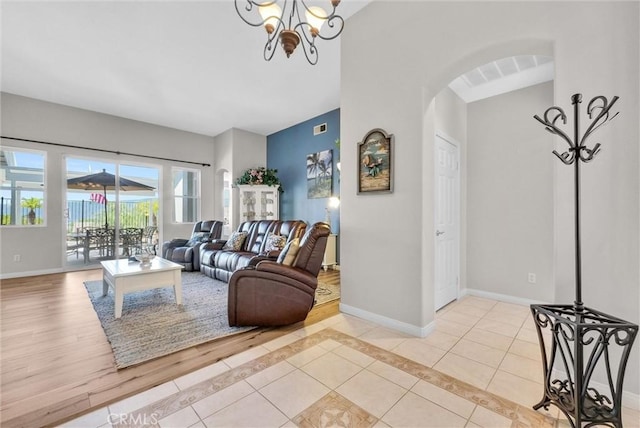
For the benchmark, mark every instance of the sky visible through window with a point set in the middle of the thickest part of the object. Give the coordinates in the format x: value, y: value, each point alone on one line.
x: 77, y: 167
x: 28, y: 160
x: 26, y: 164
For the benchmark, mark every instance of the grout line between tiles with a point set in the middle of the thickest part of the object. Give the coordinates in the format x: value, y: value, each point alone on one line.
x: 502, y: 406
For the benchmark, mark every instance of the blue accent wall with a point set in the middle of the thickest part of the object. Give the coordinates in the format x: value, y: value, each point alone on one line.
x: 287, y: 152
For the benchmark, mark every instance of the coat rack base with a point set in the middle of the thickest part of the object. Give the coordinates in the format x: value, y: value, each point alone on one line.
x: 576, y: 346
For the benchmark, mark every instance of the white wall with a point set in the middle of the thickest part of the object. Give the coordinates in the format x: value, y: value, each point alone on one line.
x: 451, y: 115
x: 41, y: 248
x: 389, y: 77
x: 242, y: 150
x: 510, y: 195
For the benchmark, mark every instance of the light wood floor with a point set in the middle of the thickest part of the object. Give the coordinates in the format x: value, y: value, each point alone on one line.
x: 58, y: 365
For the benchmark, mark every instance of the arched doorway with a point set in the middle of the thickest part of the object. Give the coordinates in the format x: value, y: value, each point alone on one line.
x: 224, y: 208
x: 485, y: 112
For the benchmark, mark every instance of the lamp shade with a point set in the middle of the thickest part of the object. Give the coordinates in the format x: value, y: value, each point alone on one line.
x: 316, y: 17
x: 270, y: 15
x: 334, y: 202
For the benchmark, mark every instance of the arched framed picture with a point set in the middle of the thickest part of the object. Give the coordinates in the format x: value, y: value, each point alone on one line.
x: 375, y: 162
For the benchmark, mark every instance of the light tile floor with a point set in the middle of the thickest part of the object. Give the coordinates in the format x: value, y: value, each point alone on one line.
x: 479, y: 368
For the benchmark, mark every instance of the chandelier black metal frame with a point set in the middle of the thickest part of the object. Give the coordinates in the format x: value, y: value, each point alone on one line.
x: 577, y: 342
x: 295, y: 23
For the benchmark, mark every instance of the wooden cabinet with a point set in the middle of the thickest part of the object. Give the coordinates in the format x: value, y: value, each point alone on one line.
x: 330, y: 253
x: 259, y: 202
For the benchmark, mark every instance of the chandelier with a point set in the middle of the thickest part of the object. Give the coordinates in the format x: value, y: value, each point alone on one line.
x: 287, y: 25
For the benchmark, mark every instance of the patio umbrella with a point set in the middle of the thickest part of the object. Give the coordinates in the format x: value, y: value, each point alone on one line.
x: 105, y: 181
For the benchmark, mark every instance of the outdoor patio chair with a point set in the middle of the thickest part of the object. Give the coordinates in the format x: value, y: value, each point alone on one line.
x: 100, y: 240
x: 131, y: 238
x: 149, y: 240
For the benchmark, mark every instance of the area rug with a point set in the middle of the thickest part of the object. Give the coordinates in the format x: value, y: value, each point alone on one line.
x: 326, y: 293
x: 152, y: 325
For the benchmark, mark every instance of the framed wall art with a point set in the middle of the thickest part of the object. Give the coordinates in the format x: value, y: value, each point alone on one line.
x: 375, y: 162
x: 319, y: 174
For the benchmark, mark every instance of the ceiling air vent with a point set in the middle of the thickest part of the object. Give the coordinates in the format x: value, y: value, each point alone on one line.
x: 320, y: 129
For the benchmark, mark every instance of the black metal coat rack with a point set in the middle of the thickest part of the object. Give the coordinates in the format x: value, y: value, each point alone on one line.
x: 581, y: 339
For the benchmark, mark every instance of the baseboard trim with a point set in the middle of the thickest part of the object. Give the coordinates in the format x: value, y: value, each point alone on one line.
x: 500, y: 297
x: 30, y: 273
x: 389, y: 322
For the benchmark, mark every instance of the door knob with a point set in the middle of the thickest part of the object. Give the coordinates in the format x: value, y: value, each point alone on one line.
x: 438, y: 232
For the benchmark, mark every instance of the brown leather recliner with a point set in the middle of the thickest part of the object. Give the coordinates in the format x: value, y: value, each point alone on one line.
x: 272, y: 293
x: 187, y: 251
x: 220, y: 264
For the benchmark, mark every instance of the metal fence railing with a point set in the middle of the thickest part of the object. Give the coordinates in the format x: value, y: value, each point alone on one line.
x: 82, y: 214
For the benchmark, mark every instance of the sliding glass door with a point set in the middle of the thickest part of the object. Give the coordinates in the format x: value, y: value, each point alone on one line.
x: 138, y: 209
x: 112, y: 210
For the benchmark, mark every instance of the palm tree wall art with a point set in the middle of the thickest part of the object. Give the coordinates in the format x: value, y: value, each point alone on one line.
x: 319, y: 174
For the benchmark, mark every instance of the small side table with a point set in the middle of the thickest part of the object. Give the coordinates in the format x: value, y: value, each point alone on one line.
x: 330, y: 253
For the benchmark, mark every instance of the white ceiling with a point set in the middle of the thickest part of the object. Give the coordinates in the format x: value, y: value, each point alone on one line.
x: 194, y: 66
x: 188, y: 65
x: 503, y: 75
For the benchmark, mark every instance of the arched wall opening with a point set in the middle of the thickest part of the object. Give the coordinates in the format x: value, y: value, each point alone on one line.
x: 423, y: 46
x: 441, y: 106
x: 224, y: 196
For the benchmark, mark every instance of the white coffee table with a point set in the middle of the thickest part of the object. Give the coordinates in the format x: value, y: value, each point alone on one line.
x: 125, y: 277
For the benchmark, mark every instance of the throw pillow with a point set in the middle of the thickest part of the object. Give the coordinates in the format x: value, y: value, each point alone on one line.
x: 235, y: 241
x: 289, y: 252
x: 275, y: 242
x: 198, y: 238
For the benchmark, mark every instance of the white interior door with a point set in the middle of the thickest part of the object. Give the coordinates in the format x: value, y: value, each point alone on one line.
x: 447, y: 222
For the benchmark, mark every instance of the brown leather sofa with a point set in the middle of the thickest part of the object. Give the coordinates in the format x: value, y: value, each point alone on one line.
x: 271, y: 293
x: 219, y: 263
x: 187, y: 251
